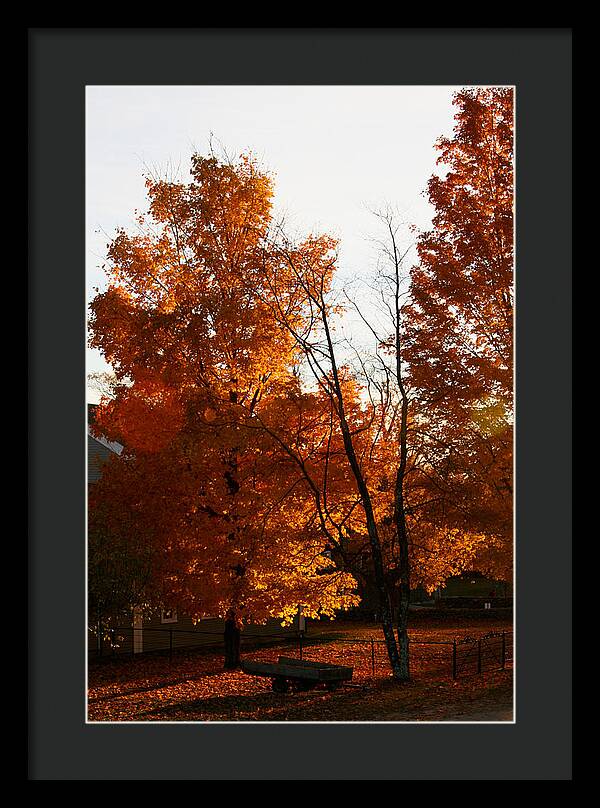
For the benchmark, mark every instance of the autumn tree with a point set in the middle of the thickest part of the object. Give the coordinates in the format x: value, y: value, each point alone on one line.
x: 261, y: 444
x: 305, y: 290
x: 369, y: 400
x: 186, y: 325
x: 444, y: 392
x: 460, y: 326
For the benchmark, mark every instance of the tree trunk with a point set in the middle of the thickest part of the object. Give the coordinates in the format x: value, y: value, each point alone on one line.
x: 403, y: 565
x: 403, y: 648
x: 232, y: 643
x: 404, y: 654
x: 399, y: 507
x: 385, y: 604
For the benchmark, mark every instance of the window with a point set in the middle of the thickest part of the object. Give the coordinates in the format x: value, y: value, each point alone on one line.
x: 168, y: 616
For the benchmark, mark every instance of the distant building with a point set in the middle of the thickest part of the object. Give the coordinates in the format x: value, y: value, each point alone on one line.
x: 99, y: 449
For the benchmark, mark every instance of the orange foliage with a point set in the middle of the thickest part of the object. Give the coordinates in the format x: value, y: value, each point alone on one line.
x: 187, y: 325
x: 235, y: 481
x: 460, y: 328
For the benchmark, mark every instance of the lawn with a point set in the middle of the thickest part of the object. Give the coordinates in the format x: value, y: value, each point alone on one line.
x: 194, y: 686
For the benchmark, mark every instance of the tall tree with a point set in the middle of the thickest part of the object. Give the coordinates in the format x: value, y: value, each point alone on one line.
x: 305, y: 288
x: 186, y: 326
x: 460, y: 324
x: 369, y: 403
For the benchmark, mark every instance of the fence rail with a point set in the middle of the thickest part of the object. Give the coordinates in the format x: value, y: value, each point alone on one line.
x: 475, y: 655
x: 123, y: 640
x: 458, y: 657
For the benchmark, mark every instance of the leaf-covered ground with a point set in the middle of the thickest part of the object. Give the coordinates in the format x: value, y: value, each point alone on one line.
x: 194, y: 686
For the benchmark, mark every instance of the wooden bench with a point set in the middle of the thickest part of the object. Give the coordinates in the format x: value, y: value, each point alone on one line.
x: 289, y: 673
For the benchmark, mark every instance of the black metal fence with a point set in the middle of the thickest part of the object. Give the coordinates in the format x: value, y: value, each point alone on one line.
x: 459, y: 658
x: 130, y: 640
x: 476, y: 655
x: 370, y: 656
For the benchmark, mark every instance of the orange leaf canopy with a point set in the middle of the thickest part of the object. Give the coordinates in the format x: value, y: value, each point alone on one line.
x: 187, y: 325
x: 459, y: 340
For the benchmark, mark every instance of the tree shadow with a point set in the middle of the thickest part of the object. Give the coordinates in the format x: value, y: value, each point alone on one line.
x: 157, y: 685
x: 262, y: 706
x: 219, y: 707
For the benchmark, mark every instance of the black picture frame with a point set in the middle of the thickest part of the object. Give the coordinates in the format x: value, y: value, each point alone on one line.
x: 538, y: 62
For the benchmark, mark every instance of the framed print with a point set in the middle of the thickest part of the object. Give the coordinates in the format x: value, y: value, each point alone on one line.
x: 294, y: 324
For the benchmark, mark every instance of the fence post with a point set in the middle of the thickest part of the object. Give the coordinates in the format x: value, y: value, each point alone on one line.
x: 454, y: 671
x: 372, y: 656
x: 133, y: 641
x: 503, y: 650
x: 478, y: 656
x: 170, y: 644
x: 300, y: 642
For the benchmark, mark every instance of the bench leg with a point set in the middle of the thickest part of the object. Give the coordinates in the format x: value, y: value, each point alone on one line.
x: 302, y: 685
x: 280, y: 684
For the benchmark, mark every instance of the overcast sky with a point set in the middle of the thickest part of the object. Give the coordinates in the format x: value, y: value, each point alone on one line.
x: 335, y: 152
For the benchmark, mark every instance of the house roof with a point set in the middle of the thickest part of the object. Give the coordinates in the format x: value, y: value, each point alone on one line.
x: 99, y: 449
x: 112, y: 446
x: 115, y: 447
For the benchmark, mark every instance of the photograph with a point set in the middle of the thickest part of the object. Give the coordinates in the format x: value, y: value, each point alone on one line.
x: 300, y: 403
